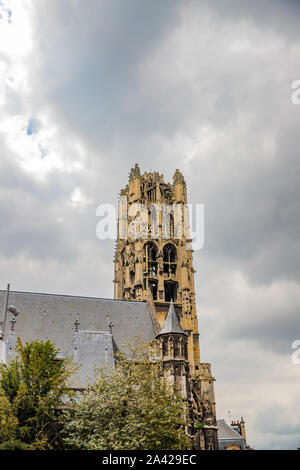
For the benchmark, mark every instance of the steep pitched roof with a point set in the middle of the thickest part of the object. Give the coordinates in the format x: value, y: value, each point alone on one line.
x: 172, y: 324
x: 227, y: 432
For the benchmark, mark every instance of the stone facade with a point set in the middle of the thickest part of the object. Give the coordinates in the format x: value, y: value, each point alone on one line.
x: 154, y: 263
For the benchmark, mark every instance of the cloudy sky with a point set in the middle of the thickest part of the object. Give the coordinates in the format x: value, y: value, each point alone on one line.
x: 89, y: 88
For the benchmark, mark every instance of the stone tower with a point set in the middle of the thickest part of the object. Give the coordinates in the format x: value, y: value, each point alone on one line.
x: 154, y: 263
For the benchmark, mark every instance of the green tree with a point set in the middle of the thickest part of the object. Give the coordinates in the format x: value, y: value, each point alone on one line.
x: 128, y: 407
x: 33, y: 388
x: 8, y: 422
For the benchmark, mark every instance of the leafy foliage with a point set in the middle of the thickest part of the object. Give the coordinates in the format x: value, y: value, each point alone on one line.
x: 128, y: 407
x: 8, y: 422
x: 32, y: 389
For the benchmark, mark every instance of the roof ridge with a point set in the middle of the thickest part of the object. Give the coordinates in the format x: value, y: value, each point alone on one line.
x: 73, y: 296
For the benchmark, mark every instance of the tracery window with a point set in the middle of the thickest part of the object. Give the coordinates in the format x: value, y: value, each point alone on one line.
x: 169, y: 259
x: 150, y: 257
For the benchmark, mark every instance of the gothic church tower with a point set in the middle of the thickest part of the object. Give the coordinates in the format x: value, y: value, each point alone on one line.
x: 154, y: 263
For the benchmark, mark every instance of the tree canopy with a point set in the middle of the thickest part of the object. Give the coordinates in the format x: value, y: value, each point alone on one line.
x: 33, y: 388
x: 130, y: 406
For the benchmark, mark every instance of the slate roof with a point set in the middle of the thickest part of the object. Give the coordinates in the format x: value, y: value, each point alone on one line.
x: 90, y: 349
x: 172, y: 324
x: 227, y: 432
x: 52, y: 316
x: 227, y: 435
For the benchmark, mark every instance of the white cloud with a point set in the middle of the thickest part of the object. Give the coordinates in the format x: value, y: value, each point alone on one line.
x: 16, y: 29
x: 44, y: 150
x: 79, y: 200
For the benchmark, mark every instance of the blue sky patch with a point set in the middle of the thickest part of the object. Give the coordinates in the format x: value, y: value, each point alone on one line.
x: 33, y: 127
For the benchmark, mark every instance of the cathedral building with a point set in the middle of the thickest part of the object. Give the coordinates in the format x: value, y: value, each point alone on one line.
x: 154, y: 295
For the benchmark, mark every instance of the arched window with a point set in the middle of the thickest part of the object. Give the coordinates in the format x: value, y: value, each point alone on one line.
x: 170, y: 259
x: 150, y: 256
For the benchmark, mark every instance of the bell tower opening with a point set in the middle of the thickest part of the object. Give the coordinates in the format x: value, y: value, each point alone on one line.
x: 152, y: 283
x: 170, y: 259
x: 170, y: 291
x: 150, y: 258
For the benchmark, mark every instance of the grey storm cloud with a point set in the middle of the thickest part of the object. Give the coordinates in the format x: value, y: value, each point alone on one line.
x: 201, y: 86
x: 27, y: 220
x: 98, y: 59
